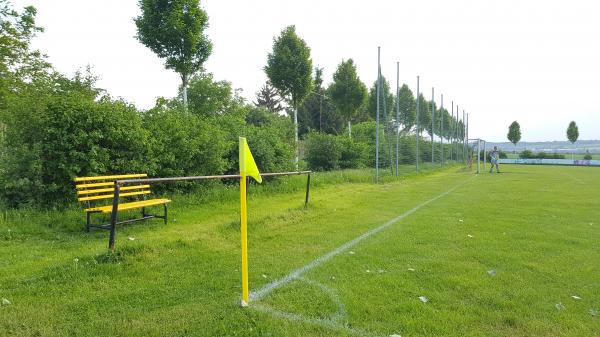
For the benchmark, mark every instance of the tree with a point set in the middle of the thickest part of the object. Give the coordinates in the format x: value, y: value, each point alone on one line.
x: 514, y: 133
x: 289, y: 68
x: 174, y: 30
x: 408, y: 108
x: 424, y: 114
x: 389, y: 100
x: 268, y: 98
x: 347, y: 91
x: 572, y: 134
x: 19, y: 65
x: 317, y: 111
x: 209, y: 97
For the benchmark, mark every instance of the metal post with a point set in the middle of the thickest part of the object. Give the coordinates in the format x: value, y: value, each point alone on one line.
x: 442, y: 132
x: 418, y: 126
x: 465, y: 133
x: 484, y: 154
x: 113, y: 217
x: 456, y: 135
x: 307, y: 190
x: 397, y: 112
x: 461, y: 140
x: 385, y: 129
x: 478, y: 157
x: 432, y: 126
x: 452, y: 132
x: 377, y: 127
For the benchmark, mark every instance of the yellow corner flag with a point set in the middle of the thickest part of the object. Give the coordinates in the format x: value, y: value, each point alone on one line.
x: 247, y: 169
x: 247, y: 163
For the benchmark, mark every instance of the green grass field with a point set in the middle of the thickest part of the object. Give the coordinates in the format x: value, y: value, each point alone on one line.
x: 495, y: 255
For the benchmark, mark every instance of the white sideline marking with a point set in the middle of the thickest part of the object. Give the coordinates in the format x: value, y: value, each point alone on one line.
x: 268, y: 288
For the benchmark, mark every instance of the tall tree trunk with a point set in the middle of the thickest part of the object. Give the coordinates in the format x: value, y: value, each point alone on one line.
x: 350, y: 129
x: 184, y: 84
x: 296, y: 133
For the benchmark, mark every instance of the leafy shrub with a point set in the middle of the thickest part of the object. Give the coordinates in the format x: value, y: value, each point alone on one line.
x: 270, y: 137
x: 526, y: 154
x: 587, y: 156
x: 323, y: 152
x: 54, y: 134
x: 354, y: 154
x: 185, y: 144
x: 366, y: 133
x: 408, y: 150
x: 272, y: 146
x: 540, y: 155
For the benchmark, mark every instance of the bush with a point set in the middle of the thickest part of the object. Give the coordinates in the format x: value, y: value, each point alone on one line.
x: 366, y: 133
x: 540, y: 155
x: 272, y: 146
x: 526, y: 154
x: 558, y: 156
x: 587, y: 156
x: 354, y: 154
x: 185, y: 144
x: 323, y: 152
x: 55, y: 135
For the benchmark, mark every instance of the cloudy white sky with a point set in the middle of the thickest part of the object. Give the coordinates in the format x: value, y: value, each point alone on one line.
x: 535, y: 61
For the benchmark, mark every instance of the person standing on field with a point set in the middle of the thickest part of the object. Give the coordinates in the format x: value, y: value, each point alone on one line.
x: 494, y: 155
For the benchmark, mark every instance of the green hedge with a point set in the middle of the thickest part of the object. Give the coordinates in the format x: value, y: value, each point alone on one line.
x: 54, y: 132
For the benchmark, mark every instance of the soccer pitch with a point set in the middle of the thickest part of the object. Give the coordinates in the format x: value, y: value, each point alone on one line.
x: 448, y: 253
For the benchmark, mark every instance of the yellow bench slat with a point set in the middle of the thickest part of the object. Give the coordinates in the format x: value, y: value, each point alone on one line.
x: 108, y: 183
x: 110, y: 196
x: 129, y: 205
x: 103, y: 190
x: 115, y: 177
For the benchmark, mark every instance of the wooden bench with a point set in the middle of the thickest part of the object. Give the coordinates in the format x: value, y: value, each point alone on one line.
x: 93, y: 190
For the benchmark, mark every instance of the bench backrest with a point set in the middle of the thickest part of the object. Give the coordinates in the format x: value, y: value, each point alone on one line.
x: 103, y: 187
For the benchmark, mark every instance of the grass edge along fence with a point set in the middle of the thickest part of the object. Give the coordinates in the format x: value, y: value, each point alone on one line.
x: 567, y: 162
x: 119, y: 183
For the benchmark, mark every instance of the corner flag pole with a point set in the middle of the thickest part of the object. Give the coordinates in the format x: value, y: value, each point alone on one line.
x: 377, y: 127
x: 248, y: 168
x: 244, y: 225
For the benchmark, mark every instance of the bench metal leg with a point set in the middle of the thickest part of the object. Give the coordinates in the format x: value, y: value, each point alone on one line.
x: 113, y: 218
x: 113, y: 232
x: 166, y: 213
x: 89, y: 221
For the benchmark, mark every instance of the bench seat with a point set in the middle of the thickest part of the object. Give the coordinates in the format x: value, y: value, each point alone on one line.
x: 128, y: 205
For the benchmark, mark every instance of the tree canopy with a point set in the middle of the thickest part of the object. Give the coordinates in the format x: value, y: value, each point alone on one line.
x: 174, y: 31
x: 387, y: 95
x: 514, y: 133
x: 572, y: 132
x: 408, y: 109
x: 348, y: 92
x: 289, y: 66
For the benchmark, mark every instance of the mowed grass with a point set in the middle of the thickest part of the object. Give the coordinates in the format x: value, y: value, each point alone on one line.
x: 500, y: 255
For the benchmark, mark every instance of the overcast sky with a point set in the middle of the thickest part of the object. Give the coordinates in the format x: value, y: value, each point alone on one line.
x: 537, y: 62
